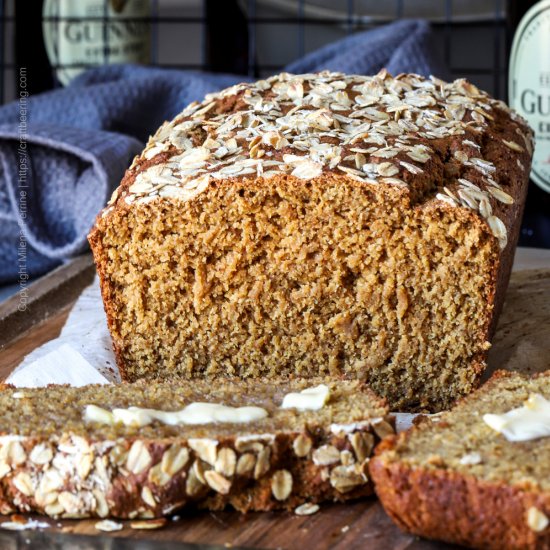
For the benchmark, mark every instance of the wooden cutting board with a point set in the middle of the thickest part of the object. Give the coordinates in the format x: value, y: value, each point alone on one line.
x: 522, y: 342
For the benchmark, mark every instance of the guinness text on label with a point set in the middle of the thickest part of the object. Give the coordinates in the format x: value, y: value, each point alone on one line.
x: 529, y: 84
x: 82, y: 33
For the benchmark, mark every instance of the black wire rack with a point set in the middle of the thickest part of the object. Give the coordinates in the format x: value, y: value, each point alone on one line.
x: 233, y: 35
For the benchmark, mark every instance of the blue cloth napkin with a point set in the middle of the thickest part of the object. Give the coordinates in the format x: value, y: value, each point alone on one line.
x: 63, y: 152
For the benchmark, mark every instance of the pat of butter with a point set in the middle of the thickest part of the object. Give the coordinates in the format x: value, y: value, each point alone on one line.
x: 93, y: 413
x: 531, y: 421
x: 310, y: 399
x: 193, y: 414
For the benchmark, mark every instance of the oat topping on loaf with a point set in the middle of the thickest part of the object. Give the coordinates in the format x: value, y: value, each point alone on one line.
x: 357, y: 226
x: 54, y: 462
x: 375, y: 129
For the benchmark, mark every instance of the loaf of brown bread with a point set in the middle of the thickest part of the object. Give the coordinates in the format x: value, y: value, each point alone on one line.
x: 83, y: 452
x: 319, y: 224
x: 475, y: 480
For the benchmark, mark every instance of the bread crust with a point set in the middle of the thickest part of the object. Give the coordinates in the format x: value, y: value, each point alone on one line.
x: 457, y: 507
x: 76, y: 477
x: 445, y: 505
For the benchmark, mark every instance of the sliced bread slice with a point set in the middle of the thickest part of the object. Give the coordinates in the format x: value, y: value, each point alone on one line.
x: 84, y: 452
x: 476, y: 475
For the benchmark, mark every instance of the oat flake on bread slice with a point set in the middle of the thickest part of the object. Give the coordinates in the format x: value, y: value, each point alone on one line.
x: 145, y: 449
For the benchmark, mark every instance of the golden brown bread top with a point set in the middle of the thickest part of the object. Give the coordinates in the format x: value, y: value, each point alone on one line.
x: 439, y: 143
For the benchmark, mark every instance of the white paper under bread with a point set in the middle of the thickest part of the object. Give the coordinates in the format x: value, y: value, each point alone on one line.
x: 64, y: 365
x: 403, y: 421
x: 85, y: 333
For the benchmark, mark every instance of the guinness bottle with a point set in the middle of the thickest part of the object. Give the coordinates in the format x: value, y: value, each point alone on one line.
x: 529, y: 95
x: 84, y: 33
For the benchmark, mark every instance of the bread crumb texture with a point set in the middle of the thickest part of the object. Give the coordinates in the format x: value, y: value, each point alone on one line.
x: 319, y: 224
x: 54, y: 462
x: 456, y: 479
